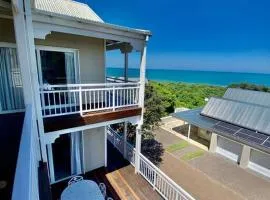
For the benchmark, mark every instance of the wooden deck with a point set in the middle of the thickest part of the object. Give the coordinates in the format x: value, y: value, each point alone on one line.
x: 70, y: 121
x: 119, y: 178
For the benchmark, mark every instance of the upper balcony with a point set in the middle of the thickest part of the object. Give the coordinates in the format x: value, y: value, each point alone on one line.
x: 72, y: 105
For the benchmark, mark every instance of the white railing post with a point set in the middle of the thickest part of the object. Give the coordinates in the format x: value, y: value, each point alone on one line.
x: 113, y: 98
x: 138, y: 149
x: 125, y: 139
x: 155, y: 180
x: 80, y: 100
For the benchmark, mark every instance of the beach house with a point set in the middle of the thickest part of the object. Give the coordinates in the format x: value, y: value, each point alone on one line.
x: 236, y: 126
x: 56, y: 105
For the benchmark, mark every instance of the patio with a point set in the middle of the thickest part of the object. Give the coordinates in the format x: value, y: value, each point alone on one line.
x: 119, y: 177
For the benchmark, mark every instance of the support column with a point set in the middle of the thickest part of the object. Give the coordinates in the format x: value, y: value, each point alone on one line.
x: 125, y: 140
x: 142, y: 78
x: 125, y: 49
x: 244, y: 160
x: 189, y: 129
x: 22, y: 15
x: 51, y: 164
x: 105, y: 143
x: 126, y: 67
x: 213, y: 143
x: 138, y: 149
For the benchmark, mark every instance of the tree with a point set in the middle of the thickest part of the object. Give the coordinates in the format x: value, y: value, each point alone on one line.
x: 153, y: 150
x: 153, y: 111
x: 249, y: 86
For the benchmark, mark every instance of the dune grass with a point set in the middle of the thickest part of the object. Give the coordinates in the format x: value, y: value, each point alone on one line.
x: 175, y: 147
x: 192, y: 155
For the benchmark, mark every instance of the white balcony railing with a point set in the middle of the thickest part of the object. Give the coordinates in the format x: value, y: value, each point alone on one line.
x: 26, y: 177
x: 160, y: 182
x: 57, y: 100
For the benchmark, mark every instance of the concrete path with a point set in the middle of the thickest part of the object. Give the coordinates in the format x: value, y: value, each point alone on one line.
x: 210, y: 176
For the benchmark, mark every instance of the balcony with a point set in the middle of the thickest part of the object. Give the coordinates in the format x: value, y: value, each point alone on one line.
x: 84, y: 104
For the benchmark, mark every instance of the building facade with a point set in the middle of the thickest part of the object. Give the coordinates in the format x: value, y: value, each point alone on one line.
x: 236, y: 126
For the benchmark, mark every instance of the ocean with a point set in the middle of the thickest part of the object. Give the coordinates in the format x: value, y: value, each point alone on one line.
x: 202, y: 77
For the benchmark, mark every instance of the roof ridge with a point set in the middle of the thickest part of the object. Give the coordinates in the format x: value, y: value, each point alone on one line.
x: 243, y: 102
x: 248, y: 90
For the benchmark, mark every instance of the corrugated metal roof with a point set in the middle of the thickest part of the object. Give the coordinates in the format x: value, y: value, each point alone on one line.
x: 247, y: 115
x: 67, y: 8
x: 249, y: 96
x: 195, y: 118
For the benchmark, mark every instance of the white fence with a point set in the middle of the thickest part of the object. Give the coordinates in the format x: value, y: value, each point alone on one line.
x: 57, y: 100
x: 160, y: 182
x: 26, y: 177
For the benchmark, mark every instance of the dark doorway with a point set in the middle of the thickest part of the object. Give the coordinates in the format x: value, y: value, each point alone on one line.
x: 53, y: 67
x: 61, y: 157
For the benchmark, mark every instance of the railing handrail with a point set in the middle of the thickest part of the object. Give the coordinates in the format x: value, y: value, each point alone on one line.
x: 157, y: 171
x: 118, y: 79
x: 90, y: 85
x: 171, y: 182
x: 57, y: 100
x: 25, y: 183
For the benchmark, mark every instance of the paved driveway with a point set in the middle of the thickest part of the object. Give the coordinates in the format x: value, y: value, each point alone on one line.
x: 210, y: 176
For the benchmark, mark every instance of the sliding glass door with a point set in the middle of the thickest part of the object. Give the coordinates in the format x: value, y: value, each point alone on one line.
x: 11, y: 90
x: 66, y: 156
x: 57, y: 66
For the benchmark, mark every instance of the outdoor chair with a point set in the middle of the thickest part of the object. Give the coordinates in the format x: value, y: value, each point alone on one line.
x: 75, y: 179
x: 102, y: 188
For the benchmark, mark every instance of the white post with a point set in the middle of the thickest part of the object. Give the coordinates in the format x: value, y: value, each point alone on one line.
x: 244, y: 160
x: 138, y: 149
x: 113, y: 98
x: 125, y: 139
x: 142, y: 79
x: 80, y: 100
x: 189, y: 128
x: 213, y: 143
x: 51, y: 164
x: 22, y: 15
x: 105, y: 141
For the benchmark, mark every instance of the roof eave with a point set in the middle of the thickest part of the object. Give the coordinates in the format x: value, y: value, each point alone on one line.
x: 103, y: 24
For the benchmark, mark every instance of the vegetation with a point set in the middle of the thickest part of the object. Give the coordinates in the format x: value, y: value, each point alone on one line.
x: 192, y: 155
x: 153, y: 150
x: 186, y: 95
x: 249, y: 86
x: 175, y: 95
x: 175, y: 147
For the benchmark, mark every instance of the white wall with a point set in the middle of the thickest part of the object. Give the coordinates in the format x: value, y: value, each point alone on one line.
x: 91, y: 54
x: 91, y: 50
x: 94, y: 148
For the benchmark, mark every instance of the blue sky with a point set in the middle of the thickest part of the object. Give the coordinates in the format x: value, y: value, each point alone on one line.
x: 231, y: 35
